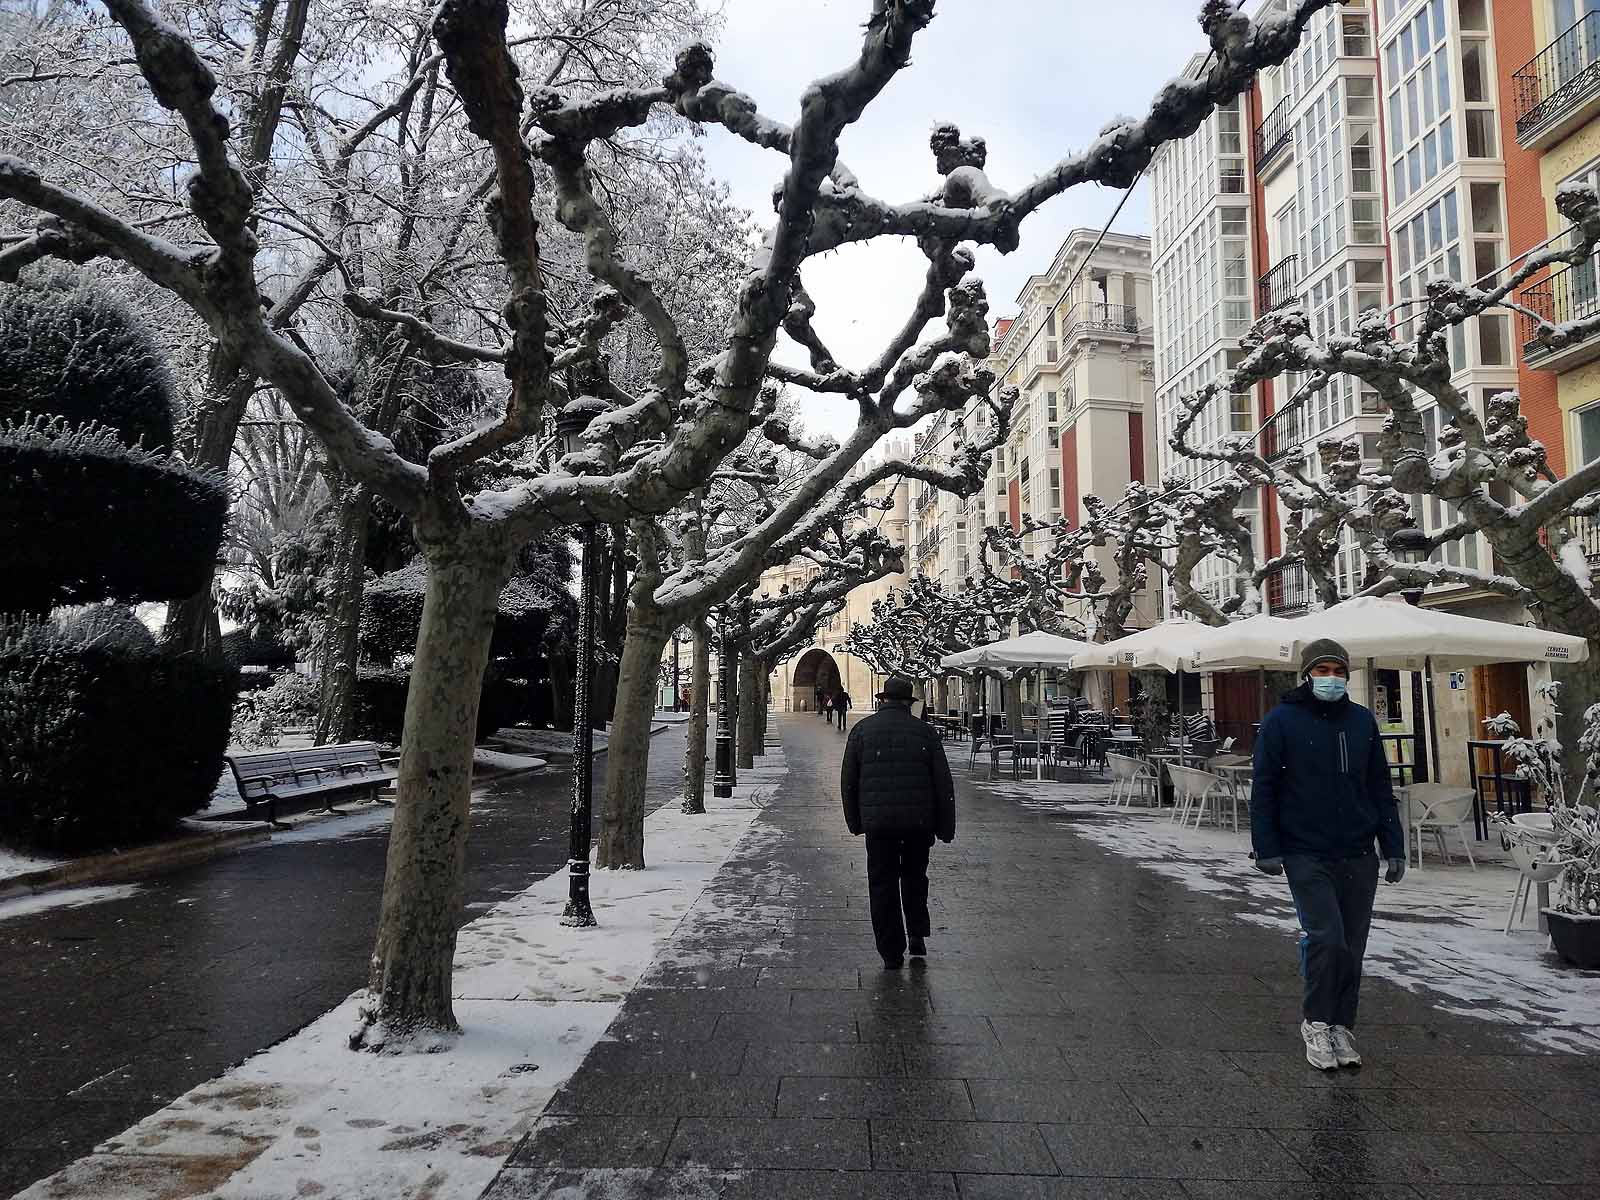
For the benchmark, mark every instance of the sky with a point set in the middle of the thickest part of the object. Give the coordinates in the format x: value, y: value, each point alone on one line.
x: 1036, y: 79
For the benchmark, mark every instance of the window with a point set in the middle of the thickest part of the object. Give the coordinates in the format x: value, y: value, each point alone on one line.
x: 1355, y: 34
x: 1480, y: 133
x: 1588, y: 423
x: 1359, y: 98
x: 1050, y: 407
x: 1055, y: 490
x: 1419, y: 101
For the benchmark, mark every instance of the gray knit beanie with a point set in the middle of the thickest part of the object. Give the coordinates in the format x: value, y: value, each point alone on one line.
x: 1323, y: 650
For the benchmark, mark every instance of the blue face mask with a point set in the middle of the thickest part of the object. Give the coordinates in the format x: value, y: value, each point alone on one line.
x: 1329, y: 687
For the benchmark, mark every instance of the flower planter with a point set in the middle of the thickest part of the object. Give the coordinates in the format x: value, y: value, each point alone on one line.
x: 1576, y: 937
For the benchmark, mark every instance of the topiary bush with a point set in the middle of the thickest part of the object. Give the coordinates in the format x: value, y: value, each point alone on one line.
x: 103, y: 744
x: 100, y: 519
x: 391, y: 614
x: 70, y: 349
x: 380, y: 704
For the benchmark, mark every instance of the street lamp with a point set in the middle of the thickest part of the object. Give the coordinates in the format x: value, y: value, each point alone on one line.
x: 722, y: 782
x: 571, y: 422
x: 1410, y: 546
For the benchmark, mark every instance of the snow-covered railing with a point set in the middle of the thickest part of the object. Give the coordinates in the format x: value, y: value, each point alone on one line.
x: 1570, y: 294
x: 1276, y: 287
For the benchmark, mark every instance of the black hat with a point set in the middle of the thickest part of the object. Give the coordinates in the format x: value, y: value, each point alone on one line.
x: 1323, y: 650
x: 898, y: 687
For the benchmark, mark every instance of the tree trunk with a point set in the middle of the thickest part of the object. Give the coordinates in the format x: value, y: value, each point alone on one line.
x: 191, y: 621
x: 621, y: 842
x: 422, y: 888
x: 748, y: 699
x: 694, y: 757
x: 337, y: 708
x: 561, y: 690
x: 763, y: 705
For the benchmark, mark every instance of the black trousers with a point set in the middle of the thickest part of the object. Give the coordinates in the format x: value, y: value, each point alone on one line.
x: 897, y: 880
x: 1333, y: 899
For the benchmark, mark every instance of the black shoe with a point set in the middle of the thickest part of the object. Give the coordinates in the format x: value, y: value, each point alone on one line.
x: 893, y: 964
x: 919, y: 948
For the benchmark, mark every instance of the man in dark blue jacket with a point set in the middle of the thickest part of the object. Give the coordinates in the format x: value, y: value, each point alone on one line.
x: 897, y: 790
x: 1321, y: 795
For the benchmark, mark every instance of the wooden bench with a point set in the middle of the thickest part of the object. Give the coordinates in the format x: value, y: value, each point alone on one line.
x: 317, y: 771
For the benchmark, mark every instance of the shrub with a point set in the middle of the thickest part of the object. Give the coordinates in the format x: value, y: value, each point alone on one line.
x: 380, y: 704
x: 391, y: 614
x: 104, y: 625
x: 99, y: 520
x: 262, y: 714
x: 102, y: 744
x: 245, y: 649
x: 69, y: 349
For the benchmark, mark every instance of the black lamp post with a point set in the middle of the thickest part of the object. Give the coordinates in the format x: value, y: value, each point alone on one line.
x: 722, y: 782
x: 571, y: 421
x: 1411, y: 546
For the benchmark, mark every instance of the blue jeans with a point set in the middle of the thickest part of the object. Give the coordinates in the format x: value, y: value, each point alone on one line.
x: 1333, y: 899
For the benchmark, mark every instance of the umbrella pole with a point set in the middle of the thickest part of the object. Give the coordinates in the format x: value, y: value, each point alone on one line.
x: 1433, y: 720
x: 1372, y: 689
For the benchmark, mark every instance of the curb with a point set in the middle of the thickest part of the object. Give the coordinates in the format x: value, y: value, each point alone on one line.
x: 103, y: 868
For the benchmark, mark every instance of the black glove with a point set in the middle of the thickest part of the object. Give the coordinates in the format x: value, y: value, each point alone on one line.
x: 1396, y: 871
x: 947, y: 840
x: 1270, y: 866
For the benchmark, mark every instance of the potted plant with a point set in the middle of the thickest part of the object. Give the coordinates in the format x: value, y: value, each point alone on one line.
x: 1574, y: 914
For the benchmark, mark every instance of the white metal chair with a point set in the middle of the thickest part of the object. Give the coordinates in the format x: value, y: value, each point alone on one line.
x: 1443, y: 808
x: 1537, y: 867
x: 1194, y: 788
x: 1131, y: 776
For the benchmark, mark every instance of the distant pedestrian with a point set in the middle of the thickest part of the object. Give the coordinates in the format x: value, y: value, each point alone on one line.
x: 897, y: 791
x: 824, y: 704
x: 841, y: 705
x: 1321, y: 795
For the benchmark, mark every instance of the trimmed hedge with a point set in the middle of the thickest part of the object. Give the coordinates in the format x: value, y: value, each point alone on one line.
x: 391, y: 615
x: 242, y: 648
x: 95, y: 519
x: 380, y: 705
x: 103, y: 745
x: 70, y: 349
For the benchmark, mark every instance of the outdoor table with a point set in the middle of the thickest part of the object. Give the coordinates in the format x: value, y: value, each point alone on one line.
x: 1480, y: 819
x: 1398, y: 767
x: 1126, y: 743
x: 1236, y: 774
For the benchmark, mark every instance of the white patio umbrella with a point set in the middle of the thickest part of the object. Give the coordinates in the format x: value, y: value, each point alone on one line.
x: 1390, y: 633
x: 1162, y: 647
x: 1029, y: 651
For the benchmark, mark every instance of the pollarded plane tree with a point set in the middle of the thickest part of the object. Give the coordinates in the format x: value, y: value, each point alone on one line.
x: 1495, y: 479
x: 916, y: 625
x: 645, y: 452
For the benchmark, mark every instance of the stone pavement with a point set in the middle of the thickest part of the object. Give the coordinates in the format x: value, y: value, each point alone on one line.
x: 1082, y: 1028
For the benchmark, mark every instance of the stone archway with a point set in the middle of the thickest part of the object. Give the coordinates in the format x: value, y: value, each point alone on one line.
x: 815, y: 669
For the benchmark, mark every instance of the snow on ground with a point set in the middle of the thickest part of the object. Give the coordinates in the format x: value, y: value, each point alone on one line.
x: 1438, y: 931
x: 499, y: 762
x: 308, y: 1117
x: 22, y: 906
x: 19, y: 862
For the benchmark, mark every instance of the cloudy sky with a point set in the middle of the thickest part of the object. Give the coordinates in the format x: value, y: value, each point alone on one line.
x: 1036, y: 79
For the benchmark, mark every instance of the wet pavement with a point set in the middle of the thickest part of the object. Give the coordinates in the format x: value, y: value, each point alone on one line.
x: 110, y: 1010
x: 1082, y: 1028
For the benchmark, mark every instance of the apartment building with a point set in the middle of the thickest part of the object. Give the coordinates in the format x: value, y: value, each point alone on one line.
x: 1380, y: 156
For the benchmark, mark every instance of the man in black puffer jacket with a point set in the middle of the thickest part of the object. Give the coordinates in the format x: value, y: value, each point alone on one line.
x: 898, y: 791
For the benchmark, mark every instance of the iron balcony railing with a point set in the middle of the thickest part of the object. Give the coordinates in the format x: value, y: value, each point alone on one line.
x: 1570, y: 294
x: 1119, y: 318
x: 1273, y: 134
x: 1276, y: 287
x: 1559, y: 77
x: 1289, y: 590
x: 1283, y: 433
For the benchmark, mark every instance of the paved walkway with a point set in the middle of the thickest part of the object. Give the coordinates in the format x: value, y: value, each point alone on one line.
x: 1082, y: 1028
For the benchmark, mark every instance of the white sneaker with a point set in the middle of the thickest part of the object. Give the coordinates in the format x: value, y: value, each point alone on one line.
x: 1319, y: 1045
x: 1344, y: 1047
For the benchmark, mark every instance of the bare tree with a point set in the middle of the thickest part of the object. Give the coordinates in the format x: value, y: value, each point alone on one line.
x: 642, y: 451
